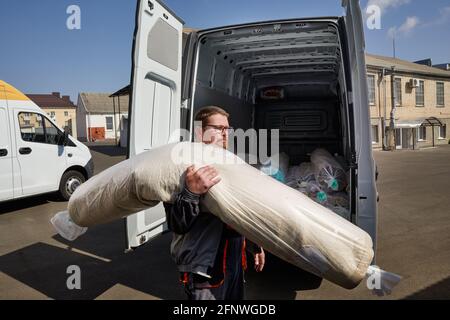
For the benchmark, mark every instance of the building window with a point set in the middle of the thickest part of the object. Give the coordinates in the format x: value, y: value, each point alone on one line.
x: 443, y: 132
x: 398, y: 92
x: 109, y: 123
x: 440, y: 94
x: 371, y: 85
x: 66, y: 113
x: 420, y: 92
x: 422, y: 133
x: 375, y: 134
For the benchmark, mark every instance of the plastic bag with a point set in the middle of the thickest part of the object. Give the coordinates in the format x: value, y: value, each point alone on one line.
x: 330, y: 175
x: 276, y: 169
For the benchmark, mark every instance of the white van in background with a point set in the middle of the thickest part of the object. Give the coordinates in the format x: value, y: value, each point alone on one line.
x: 35, y: 155
x: 317, y: 64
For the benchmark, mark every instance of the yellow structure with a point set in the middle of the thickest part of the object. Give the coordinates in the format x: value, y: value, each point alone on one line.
x: 8, y: 92
x: 420, y: 108
x: 58, y: 108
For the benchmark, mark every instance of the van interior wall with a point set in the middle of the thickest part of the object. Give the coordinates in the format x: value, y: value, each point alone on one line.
x: 241, y: 111
x: 307, y: 118
x: 235, y: 66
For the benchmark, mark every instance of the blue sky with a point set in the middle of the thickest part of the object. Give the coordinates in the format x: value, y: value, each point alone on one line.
x: 40, y: 55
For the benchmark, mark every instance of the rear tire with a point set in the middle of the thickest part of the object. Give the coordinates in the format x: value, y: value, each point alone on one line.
x: 70, y: 181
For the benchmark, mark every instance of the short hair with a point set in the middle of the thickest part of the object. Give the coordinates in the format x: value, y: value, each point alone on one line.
x: 204, y: 113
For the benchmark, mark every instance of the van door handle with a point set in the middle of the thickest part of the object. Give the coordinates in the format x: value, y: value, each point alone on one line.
x: 3, y: 152
x: 25, y: 150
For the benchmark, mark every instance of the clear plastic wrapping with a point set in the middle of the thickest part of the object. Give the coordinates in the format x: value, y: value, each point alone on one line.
x: 330, y: 175
x: 282, y: 220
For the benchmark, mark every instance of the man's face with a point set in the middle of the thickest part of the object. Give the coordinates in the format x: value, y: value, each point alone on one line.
x: 216, y: 130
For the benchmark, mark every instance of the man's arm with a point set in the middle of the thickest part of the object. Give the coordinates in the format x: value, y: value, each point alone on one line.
x: 182, y: 213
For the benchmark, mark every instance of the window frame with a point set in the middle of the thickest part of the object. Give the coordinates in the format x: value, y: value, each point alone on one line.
x: 444, y: 136
x: 106, y: 123
x: 375, y: 139
x: 423, y: 94
x: 424, y: 138
x: 438, y: 96
x: 399, y: 101
x: 372, y: 76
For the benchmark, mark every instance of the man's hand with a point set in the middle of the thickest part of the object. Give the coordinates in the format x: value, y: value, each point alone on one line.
x: 260, y: 260
x: 202, y: 180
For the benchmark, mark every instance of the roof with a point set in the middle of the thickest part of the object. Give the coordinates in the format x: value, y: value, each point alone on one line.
x: 53, y: 100
x: 122, y: 92
x: 404, y: 66
x: 417, y: 122
x: 8, y: 92
x: 103, y: 103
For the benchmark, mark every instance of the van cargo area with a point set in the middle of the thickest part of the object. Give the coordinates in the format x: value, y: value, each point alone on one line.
x: 287, y: 76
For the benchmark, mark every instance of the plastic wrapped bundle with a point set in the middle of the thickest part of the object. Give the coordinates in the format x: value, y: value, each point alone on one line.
x: 293, y: 177
x: 280, y: 219
x: 276, y: 169
x: 307, y: 172
x: 329, y: 173
x: 299, y: 176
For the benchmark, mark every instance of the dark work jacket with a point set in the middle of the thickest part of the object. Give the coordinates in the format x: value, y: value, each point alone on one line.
x: 196, y: 234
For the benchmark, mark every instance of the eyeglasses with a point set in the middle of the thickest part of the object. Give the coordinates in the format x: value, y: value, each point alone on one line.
x: 221, y: 129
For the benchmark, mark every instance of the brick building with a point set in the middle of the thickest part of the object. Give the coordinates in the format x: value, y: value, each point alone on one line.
x: 422, y: 103
x: 59, y: 108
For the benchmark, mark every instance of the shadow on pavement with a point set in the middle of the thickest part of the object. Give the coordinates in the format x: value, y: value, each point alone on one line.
x: 44, y: 268
x: 109, y: 150
x: 148, y: 269
x: 278, y: 281
x: 29, y: 202
x: 439, y: 290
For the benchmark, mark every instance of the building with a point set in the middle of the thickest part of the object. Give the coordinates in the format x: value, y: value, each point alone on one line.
x: 59, y: 109
x: 421, y: 100
x: 100, y: 116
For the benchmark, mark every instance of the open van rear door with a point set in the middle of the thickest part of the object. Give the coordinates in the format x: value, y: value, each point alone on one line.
x: 366, y: 194
x: 155, y: 98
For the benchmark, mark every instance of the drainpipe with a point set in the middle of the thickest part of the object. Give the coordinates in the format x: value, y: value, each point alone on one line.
x: 383, y: 125
x: 392, y: 142
x: 114, y: 117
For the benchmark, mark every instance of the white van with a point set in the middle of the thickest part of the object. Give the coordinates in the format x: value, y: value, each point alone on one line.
x: 35, y: 155
x: 315, y: 68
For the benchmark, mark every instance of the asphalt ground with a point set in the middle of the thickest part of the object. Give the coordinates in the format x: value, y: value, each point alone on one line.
x: 413, y: 241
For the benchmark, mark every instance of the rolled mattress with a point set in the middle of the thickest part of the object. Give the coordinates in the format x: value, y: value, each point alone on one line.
x: 279, y: 218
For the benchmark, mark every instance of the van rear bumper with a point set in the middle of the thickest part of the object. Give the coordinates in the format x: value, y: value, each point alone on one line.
x: 89, y: 167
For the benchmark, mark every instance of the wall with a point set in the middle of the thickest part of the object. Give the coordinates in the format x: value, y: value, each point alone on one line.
x: 99, y: 120
x: 408, y: 109
x: 60, y: 117
x: 81, y: 121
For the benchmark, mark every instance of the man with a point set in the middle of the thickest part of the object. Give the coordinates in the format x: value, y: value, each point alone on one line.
x: 209, y: 254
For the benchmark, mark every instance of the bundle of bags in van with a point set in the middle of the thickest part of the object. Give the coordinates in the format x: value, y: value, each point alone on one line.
x: 273, y: 215
x: 324, y: 180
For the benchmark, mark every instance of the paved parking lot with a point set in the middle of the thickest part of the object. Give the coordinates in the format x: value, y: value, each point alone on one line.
x: 414, y: 241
